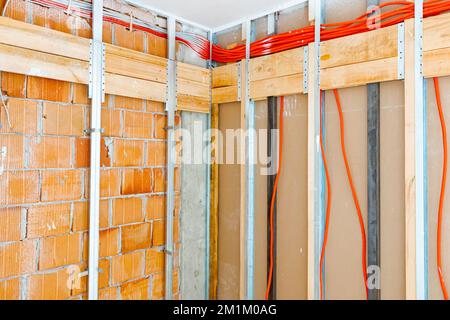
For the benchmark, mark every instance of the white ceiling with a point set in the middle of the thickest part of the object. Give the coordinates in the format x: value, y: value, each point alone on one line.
x: 216, y: 14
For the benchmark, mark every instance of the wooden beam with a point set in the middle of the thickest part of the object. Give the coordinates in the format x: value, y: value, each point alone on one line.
x: 214, y: 207
x: 436, y: 63
x: 193, y: 104
x: 135, y: 88
x: 277, y: 65
x: 226, y: 75
x: 282, y: 86
x: 193, y: 88
x: 436, y: 32
x: 193, y: 73
x: 225, y: 94
x: 359, y: 74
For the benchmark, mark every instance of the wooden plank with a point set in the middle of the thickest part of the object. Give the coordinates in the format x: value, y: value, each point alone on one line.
x: 225, y: 76
x: 192, y: 88
x: 436, y: 63
x: 135, y: 88
x: 282, y: 86
x: 214, y: 207
x: 25, y: 35
x: 39, y: 64
x: 134, y: 55
x: 436, y: 32
x: 193, y: 73
x: 135, y: 68
x: 410, y: 170
x: 225, y: 94
x: 193, y: 104
x: 374, y: 45
x: 277, y: 65
x: 359, y: 74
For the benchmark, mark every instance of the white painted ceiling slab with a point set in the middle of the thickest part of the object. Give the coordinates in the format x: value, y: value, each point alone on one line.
x: 216, y: 14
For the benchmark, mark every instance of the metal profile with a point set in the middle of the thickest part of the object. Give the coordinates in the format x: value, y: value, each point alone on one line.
x: 239, y: 81
x: 401, y: 50
x: 420, y: 154
x: 171, y: 103
x: 96, y: 89
x: 305, y: 68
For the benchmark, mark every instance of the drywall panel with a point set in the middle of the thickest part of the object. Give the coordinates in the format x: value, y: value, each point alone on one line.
x: 292, y: 224
x: 435, y: 163
x: 392, y: 206
x: 229, y: 209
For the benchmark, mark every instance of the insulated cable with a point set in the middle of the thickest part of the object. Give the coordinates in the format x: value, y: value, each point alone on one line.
x: 443, y: 183
x: 272, y: 202
x: 353, y: 189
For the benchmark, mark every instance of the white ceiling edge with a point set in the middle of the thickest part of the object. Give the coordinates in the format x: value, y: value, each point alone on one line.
x: 260, y: 14
x: 229, y: 25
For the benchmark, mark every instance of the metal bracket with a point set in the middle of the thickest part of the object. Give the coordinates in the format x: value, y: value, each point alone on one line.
x: 91, y: 59
x: 93, y: 130
x: 172, y: 77
x: 239, y: 81
x: 305, y: 68
x: 401, y: 51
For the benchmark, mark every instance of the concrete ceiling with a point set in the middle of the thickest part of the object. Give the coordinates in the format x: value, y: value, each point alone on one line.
x: 216, y: 14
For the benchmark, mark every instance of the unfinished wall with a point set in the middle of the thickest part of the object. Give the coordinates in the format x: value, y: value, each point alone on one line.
x: 44, y: 180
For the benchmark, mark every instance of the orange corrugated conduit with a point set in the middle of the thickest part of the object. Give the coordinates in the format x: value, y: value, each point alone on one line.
x: 443, y: 183
x: 354, y: 194
x: 274, y: 194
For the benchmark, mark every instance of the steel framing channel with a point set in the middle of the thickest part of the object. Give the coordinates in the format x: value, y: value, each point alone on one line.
x: 96, y: 88
x: 401, y: 50
x: 171, y: 104
x: 420, y: 155
x: 250, y: 164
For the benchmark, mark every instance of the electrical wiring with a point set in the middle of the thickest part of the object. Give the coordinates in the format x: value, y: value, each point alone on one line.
x: 353, y: 189
x: 443, y: 184
x: 271, y: 44
x: 273, y: 198
x: 328, y: 200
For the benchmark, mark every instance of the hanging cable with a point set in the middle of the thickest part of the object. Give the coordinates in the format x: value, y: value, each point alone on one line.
x: 274, y: 195
x: 443, y: 183
x: 328, y: 200
x: 353, y: 189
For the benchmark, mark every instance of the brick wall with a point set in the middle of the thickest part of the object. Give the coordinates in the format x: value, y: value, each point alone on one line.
x: 44, y: 181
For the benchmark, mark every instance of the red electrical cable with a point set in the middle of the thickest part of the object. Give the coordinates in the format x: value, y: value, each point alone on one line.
x: 327, y: 216
x: 443, y: 183
x: 355, y: 196
x: 274, y: 194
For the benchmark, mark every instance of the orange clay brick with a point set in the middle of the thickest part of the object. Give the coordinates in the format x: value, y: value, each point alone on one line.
x: 158, y: 286
x: 156, y: 207
x: 109, y: 242
x: 156, y: 153
x: 10, y: 289
x: 11, y: 151
x: 137, y: 125
x: 135, y: 290
x: 156, y: 46
x: 23, y: 115
x: 133, y: 40
x: 108, y: 294
x: 103, y: 276
x: 107, y: 32
x: 136, y: 181
x: 136, y: 236
x: 127, y: 267
x: 17, y: 258
x: 159, y: 124
x: 81, y: 215
x: 10, y: 224
x: 80, y: 94
x: 111, y: 122
x: 158, y: 233
x: 48, y: 89
x: 60, y: 251
x: 159, y: 180
x: 127, y: 210
x: 50, y: 286
x: 109, y: 183
x: 50, y: 152
x: 16, y: 10
x: 83, y: 153
x: 19, y: 187
x: 128, y: 153
x: 13, y: 84
x: 61, y: 185
x: 154, y: 106
x: 48, y: 220
x: 63, y: 120
x: 154, y: 261
x: 128, y: 103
